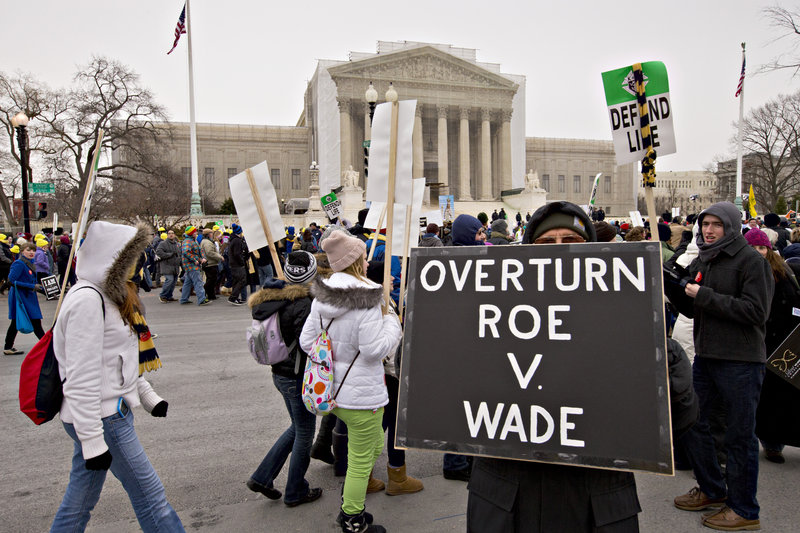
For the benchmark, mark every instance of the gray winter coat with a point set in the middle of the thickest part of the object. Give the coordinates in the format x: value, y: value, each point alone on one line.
x: 169, y: 253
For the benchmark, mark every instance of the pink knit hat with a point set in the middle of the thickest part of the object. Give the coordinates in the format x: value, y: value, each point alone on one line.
x: 756, y: 237
x: 343, y: 250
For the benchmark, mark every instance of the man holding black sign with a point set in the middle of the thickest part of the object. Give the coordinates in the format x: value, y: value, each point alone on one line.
x: 513, y: 496
x: 727, y: 290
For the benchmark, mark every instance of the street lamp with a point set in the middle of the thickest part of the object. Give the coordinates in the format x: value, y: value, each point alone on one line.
x: 372, y: 98
x: 391, y: 94
x: 20, y: 122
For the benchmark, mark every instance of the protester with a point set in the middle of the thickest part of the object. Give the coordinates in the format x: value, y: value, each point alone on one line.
x: 728, y: 296
x: 430, y: 239
x: 6, y: 259
x: 22, y: 278
x: 348, y: 305
x: 211, y: 267
x: 605, y: 232
x: 507, y: 496
x: 64, y: 250
x: 292, y: 302
x: 41, y: 259
x: 237, y: 254
x: 499, y: 233
x: 773, y: 222
x: 359, y: 230
x: 776, y: 425
x: 192, y: 261
x: 103, y: 346
x: 168, y: 255
x: 307, y: 244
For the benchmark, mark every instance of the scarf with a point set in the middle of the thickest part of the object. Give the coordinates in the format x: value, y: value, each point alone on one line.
x: 148, y: 356
x: 729, y: 215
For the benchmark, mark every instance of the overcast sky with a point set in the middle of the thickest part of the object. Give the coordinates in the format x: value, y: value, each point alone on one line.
x: 252, y: 59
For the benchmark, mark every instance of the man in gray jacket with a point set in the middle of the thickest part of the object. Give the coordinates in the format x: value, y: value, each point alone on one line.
x: 168, y: 255
x: 729, y: 297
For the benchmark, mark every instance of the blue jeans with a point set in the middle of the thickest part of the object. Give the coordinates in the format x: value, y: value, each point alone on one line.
x: 133, y: 469
x: 193, y: 278
x: 738, y: 384
x: 169, y: 286
x: 296, y: 440
x: 264, y: 273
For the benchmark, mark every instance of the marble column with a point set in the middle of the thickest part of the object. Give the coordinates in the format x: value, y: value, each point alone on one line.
x: 345, y: 134
x: 418, y: 165
x: 486, y: 155
x: 463, y: 156
x: 505, y: 148
x: 441, y: 111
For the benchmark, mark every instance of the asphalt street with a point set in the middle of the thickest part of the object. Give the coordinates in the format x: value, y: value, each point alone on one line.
x: 224, y: 414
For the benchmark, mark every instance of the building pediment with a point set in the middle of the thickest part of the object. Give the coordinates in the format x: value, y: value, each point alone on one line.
x: 423, y: 64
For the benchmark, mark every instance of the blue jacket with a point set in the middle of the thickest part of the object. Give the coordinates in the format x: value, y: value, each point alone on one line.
x: 25, y: 279
x: 380, y: 256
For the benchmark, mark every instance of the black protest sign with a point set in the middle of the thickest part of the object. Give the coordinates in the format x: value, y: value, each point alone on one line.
x: 551, y: 353
x: 50, y: 287
x: 784, y: 362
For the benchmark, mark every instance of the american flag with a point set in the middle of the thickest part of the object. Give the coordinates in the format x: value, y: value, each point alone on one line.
x: 181, y: 28
x: 741, y: 80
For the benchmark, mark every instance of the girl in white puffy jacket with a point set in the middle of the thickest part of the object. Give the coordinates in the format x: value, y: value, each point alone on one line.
x: 348, y: 305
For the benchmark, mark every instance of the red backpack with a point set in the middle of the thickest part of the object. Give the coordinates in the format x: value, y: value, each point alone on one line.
x: 40, y: 387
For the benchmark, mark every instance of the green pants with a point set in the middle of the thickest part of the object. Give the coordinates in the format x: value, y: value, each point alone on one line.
x: 364, y: 445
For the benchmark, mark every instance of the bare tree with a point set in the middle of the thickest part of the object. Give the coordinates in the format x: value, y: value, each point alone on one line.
x: 786, y: 22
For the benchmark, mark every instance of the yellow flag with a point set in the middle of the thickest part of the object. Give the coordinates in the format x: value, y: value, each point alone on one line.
x: 752, y: 202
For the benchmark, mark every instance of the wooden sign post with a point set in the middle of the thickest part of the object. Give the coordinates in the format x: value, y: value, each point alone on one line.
x: 264, y: 225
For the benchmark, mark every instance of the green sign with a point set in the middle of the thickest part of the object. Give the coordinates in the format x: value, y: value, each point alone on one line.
x: 42, y: 188
x: 623, y: 111
x: 331, y: 205
x: 365, y: 144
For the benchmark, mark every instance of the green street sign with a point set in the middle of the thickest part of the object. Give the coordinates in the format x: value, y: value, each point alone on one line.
x: 365, y: 144
x: 42, y: 188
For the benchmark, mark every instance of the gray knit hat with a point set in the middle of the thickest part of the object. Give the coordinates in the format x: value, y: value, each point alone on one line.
x: 300, y: 267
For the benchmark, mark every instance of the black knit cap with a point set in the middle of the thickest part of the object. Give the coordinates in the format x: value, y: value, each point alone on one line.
x: 300, y: 267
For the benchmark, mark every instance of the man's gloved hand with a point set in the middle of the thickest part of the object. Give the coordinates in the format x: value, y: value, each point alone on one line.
x: 101, y: 462
x: 160, y: 410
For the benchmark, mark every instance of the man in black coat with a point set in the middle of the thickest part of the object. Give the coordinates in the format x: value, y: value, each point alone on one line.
x: 507, y: 496
x: 729, y: 298
x: 237, y: 255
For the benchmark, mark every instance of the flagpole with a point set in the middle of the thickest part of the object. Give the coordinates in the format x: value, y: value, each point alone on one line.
x: 738, y: 198
x: 196, y: 208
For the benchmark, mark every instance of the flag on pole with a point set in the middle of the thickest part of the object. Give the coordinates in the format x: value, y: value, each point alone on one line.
x: 181, y: 28
x: 752, y: 202
x: 741, y: 80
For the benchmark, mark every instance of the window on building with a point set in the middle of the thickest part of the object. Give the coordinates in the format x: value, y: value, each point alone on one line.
x: 576, y: 184
x: 208, y: 179
x: 276, y: 178
x: 546, y: 182
x: 231, y: 172
x: 562, y: 184
x: 607, y: 185
x: 296, y: 178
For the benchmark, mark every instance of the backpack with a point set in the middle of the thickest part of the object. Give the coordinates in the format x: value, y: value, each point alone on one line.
x: 40, y: 387
x: 266, y: 342
x: 318, y: 395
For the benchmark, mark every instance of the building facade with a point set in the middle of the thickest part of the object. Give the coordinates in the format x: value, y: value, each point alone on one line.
x: 691, y: 191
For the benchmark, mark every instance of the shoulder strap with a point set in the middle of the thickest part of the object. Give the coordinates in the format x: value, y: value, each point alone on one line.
x: 345, y: 375
x: 102, y: 301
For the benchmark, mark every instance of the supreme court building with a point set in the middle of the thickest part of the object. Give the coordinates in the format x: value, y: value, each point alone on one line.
x: 468, y: 141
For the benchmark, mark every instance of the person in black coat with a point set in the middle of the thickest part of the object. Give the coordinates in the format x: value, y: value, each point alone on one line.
x: 292, y: 302
x: 507, y: 496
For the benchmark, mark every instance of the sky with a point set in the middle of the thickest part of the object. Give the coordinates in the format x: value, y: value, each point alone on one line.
x: 253, y: 59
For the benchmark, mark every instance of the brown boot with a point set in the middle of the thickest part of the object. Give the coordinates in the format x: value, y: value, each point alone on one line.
x: 374, y: 485
x: 400, y: 483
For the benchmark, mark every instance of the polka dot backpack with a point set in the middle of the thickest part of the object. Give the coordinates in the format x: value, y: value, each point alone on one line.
x: 318, y: 381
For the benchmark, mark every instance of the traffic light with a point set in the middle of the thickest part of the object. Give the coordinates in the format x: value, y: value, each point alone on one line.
x: 42, y: 210
x: 366, y: 162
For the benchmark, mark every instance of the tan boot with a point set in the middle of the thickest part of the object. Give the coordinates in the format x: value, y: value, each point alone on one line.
x: 375, y: 484
x: 400, y: 483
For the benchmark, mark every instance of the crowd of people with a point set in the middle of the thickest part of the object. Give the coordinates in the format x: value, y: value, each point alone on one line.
x: 732, y: 298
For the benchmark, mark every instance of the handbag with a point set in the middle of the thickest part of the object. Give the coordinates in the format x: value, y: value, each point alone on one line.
x: 23, y: 321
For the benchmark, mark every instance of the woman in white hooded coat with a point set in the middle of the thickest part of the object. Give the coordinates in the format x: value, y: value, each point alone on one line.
x: 102, y: 346
x: 348, y: 305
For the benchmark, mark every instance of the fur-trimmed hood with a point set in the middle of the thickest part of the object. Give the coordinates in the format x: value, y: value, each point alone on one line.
x: 108, y: 254
x: 290, y: 291
x: 342, y: 292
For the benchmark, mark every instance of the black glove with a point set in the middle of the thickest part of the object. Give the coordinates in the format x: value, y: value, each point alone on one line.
x: 101, y: 462
x: 160, y: 410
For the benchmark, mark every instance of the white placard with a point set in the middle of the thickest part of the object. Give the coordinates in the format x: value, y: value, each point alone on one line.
x: 434, y: 216
x: 377, y: 184
x: 636, y: 218
x: 676, y: 212
x: 246, y: 206
x: 398, y: 229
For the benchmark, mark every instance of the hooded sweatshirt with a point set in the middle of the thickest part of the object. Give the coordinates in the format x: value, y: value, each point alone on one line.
x: 98, y: 356
x: 465, y: 227
x: 357, y: 329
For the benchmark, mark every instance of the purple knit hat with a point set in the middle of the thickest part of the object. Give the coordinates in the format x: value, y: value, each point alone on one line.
x: 756, y: 237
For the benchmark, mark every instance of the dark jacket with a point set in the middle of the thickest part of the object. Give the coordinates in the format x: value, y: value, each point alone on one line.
x: 169, y: 254
x: 730, y: 310
x: 684, y: 405
x: 293, y: 303
x: 237, y: 251
x: 499, y: 238
x: 62, y: 257
x: 6, y: 257
x: 430, y: 240
x: 361, y: 232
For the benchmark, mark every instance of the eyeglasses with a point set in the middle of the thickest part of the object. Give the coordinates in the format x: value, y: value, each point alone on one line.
x: 560, y: 239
